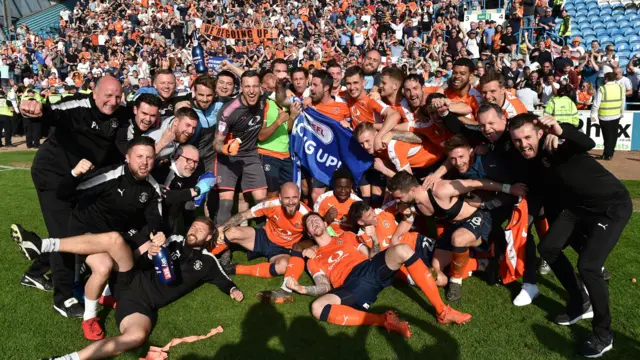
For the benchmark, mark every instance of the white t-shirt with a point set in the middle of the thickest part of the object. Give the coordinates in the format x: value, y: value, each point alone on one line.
x: 358, y: 39
x: 528, y: 97
x: 547, y: 92
x: 64, y: 14
x: 626, y: 83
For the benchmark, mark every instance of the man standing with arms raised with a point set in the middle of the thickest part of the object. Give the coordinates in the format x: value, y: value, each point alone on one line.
x: 83, y: 129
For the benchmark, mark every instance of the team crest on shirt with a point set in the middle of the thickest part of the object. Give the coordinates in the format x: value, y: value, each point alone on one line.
x: 197, y: 265
x: 267, y: 167
x: 336, y: 110
x: 114, y: 123
x: 545, y: 162
x: 170, y: 107
x: 386, y: 224
x: 143, y: 197
x: 297, y: 225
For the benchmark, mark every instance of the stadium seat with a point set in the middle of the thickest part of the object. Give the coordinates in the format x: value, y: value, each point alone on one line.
x: 592, y: 6
x: 618, y: 19
x: 601, y: 32
x: 619, y: 39
x: 581, y: 6
x: 588, y: 39
x: 604, y: 39
x: 635, y: 47
x: 634, y: 39
x: 612, y: 24
x: 582, y: 12
x: 616, y: 32
x: 605, y: 19
x: 624, y: 54
x: 588, y: 32
x: 624, y: 24
x: 598, y: 26
x: 630, y: 31
x: 623, y: 63
x: 622, y: 47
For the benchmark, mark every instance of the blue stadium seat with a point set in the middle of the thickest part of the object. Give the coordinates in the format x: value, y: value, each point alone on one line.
x: 602, y: 39
x: 582, y: 12
x: 616, y: 32
x: 619, y: 39
x: 633, y: 18
x: 605, y: 19
x: 622, y: 46
x: 636, y: 24
x: 624, y: 24
x: 623, y: 63
x: 624, y: 54
x: 581, y: 6
x: 588, y: 39
x: 619, y: 18
x: 630, y: 31
x: 606, y: 11
x: 617, y: 12
x: 605, y: 43
x: 598, y: 26
x: 634, y: 39
x: 591, y: 6
x: 612, y: 25
x: 635, y: 47
x: 569, y: 6
x: 588, y: 32
x: 602, y: 32
x: 630, y: 11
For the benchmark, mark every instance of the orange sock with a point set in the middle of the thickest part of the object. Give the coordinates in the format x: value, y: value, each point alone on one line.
x: 423, y: 278
x: 403, y: 274
x: 262, y: 270
x: 347, y: 316
x: 459, y: 261
x: 472, y: 265
x: 542, y: 226
x: 218, y: 248
x: 295, y: 267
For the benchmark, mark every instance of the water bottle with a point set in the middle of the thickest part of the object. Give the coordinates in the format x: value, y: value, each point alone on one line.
x: 197, y: 55
x: 164, y: 266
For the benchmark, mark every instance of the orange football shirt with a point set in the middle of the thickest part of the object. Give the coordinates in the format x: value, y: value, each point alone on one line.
x: 337, y: 259
x: 281, y: 230
x: 327, y: 200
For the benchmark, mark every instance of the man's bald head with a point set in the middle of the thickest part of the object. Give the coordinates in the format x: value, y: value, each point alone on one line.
x: 290, y: 198
x: 107, y: 94
x: 371, y: 62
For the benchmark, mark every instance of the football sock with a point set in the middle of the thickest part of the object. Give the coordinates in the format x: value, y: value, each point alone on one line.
x: 472, y: 265
x: 459, y: 260
x: 218, y: 248
x: 50, y: 245
x: 262, y: 270
x: 295, y: 268
x: 224, y: 211
x: 90, y: 309
x: 376, y: 200
x: 542, y: 226
x: 347, y: 316
x: 73, y: 356
x: 423, y: 278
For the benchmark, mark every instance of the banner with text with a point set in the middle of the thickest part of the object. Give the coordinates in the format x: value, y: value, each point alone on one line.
x: 625, y: 129
x: 239, y: 34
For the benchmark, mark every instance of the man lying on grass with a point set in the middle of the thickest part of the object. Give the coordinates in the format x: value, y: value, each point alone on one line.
x: 138, y: 291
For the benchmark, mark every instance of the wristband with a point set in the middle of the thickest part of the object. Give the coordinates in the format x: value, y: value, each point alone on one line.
x: 506, y: 188
x: 73, y: 173
x: 233, y: 288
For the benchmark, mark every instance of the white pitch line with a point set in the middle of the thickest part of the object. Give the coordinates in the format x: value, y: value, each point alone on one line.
x: 4, y: 167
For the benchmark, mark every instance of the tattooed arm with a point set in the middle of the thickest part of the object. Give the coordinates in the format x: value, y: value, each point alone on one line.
x: 237, y: 219
x: 406, y: 136
x: 321, y: 287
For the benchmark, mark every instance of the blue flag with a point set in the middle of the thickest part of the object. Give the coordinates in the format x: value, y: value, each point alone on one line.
x: 321, y: 145
x: 214, y: 61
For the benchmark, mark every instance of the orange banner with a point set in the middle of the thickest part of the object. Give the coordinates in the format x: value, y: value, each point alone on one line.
x: 241, y: 34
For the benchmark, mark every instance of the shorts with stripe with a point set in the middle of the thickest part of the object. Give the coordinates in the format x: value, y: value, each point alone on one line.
x: 246, y: 168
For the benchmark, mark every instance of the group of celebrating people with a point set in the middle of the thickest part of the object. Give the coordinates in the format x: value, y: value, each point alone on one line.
x: 123, y: 179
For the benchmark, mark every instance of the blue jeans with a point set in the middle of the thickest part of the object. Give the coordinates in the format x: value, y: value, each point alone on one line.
x: 528, y: 22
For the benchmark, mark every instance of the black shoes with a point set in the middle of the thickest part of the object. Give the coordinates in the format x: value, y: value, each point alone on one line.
x: 71, y: 308
x: 595, y: 346
x: 43, y: 282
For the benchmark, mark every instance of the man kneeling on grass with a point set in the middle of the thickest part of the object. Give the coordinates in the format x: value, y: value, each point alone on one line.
x: 344, y: 263
x: 139, y: 291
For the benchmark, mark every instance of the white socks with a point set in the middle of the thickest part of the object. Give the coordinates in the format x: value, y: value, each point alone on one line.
x: 456, y: 280
x: 50, y: 245
x: 73, y: 356
x: 90, y: 309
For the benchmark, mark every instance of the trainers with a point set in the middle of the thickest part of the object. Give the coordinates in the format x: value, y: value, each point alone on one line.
x: 393, y: 323
x: 606, y: 275
x: 278, y: 296
x: 92, y: 329
x: 40, y: 282
x: 595, y: 346
x: 527, y: 294
x: 452, y: 316
x: 543, y: 268
x: 71, y: 308
x: 30, y: 243
x: 573, y: 316
x: 229, y: 268
x: 454, y: 292
x: 107, y: 301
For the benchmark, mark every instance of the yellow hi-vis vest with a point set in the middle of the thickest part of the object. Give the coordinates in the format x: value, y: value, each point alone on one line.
x: 611, y: 96
x: 4, y: 109
x: 563, y: 109
x: 54, y: 98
